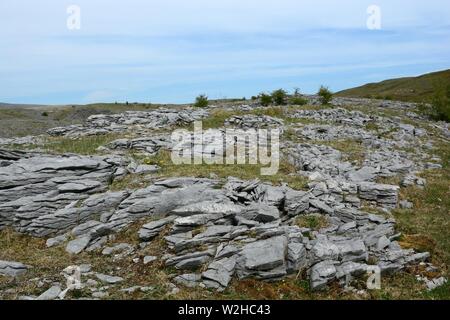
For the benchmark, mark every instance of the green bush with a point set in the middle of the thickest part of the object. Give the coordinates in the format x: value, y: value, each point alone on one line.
x: 325, y: 95
x: 44, y: 114
x: 297, y: 98
x: 298, y: 101
x: 279, y: 97
x: 423, y: 108
x: 265, y: 99
x: 440, y: 104
x: 201, y: 101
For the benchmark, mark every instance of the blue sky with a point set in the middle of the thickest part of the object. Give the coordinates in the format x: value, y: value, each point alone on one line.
x: 173, y: 50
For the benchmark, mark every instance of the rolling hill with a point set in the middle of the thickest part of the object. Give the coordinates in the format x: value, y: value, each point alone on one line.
x: 415, y: 89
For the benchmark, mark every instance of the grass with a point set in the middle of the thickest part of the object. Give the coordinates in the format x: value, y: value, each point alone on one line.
x: 33, y: 252
x: 217, y: 118
x: 314, y: 222
x: 19, y: 122
x: 85, y: 145
x: 372, y: 126
x: 291, y: 135
x: 12, y: 113
x: 416, y: 89
x: 426, y: 226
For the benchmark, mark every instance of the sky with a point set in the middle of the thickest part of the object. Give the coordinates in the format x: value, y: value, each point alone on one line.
x: 170, y: 51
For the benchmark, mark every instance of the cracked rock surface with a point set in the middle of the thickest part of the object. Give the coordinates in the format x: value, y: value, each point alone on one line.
x: 212, y: 231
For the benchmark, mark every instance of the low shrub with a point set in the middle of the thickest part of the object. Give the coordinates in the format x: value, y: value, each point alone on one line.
x: 201, y: 101
x: 325, y: 95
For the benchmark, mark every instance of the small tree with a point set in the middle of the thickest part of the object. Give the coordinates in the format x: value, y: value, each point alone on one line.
x: 279, y: 97
x: 201, y: 101
x: 325, y: 95
x: 265, y: 99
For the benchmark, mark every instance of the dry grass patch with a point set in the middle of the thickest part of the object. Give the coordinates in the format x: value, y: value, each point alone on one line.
x: 217, y: 118
x: 45, y: 263
x: 314, y: 222
x: 131, y: 181
x: 427, y: 226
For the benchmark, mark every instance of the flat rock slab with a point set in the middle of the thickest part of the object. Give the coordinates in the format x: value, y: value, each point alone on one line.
x: 190, y: 280
x: 78, y: 245
x: 108, y: 279
x: 51, y: 294
x: 12, y: 268
x: 265, y: 254
x: 149, y: 259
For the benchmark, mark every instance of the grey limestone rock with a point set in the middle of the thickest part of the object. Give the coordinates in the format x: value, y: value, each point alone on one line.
x: 12, y: 268
x: 78, y: 245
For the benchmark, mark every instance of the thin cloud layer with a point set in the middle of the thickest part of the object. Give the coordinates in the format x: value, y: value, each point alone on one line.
x: 170, y: 51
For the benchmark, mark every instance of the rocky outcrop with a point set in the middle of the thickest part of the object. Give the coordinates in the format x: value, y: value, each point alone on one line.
x: 137, y: 120
x: 209, y: 230
x: 254, y: 122
x: 44, y: 195
x: 149, y: 146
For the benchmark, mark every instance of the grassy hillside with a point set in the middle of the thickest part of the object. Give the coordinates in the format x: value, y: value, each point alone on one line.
x: 415, y: 89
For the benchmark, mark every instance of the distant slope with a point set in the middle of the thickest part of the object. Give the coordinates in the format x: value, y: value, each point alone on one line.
x: 15, y: 105
x: 416, y: 89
